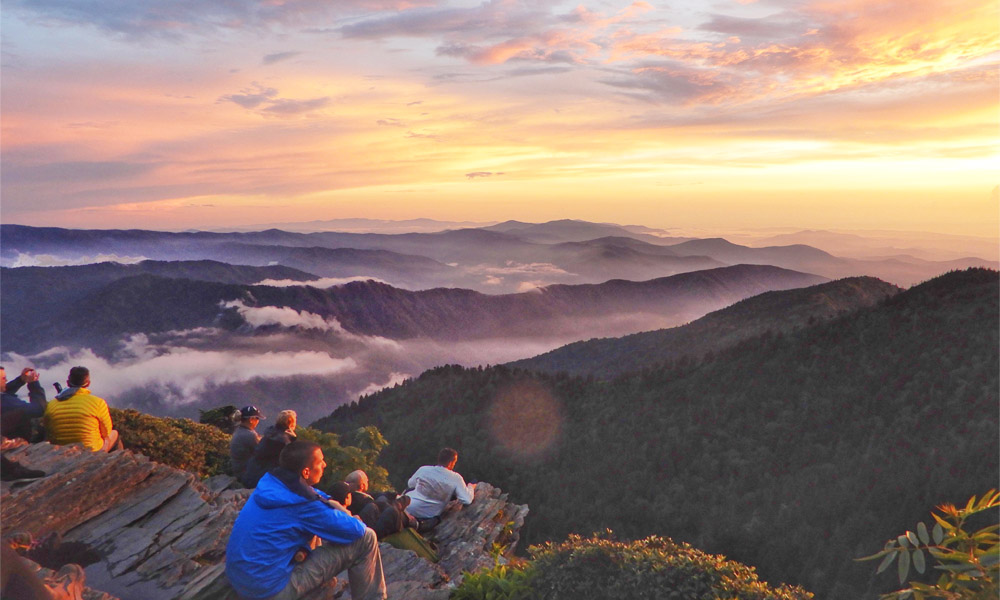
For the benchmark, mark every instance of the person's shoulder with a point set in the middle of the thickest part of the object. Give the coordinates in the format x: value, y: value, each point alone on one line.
x: 84, y: 393
x: 10, y: 399
x: 96, y: 400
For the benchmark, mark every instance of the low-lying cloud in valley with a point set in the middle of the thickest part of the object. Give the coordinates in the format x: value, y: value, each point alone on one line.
x: 283, y: 316
x: 279, y: 357
x: 321, y: 283
x: 179, y: 374
x: 51, y: 260
x: 311, y: 370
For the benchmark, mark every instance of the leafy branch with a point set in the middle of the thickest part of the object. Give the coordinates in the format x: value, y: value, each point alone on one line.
x: 969, y: 561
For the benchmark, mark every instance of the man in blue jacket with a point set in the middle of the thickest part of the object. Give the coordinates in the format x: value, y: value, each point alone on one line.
x: 281, y: 518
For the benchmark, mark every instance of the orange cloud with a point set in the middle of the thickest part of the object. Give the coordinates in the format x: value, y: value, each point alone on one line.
x: 854, y: 43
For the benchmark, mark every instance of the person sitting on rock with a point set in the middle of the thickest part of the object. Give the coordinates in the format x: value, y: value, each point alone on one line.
x: 360, y: 499
x: 16, y: 414
x: 341, y: 492
x: 434, y: 487
x: 281, y: 517
x: 274, y: 440
x: 77, y: 416
x: 245, y: 438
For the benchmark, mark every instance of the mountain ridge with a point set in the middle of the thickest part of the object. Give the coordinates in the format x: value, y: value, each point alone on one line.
x: 770, y: 311
x: 372, y: 308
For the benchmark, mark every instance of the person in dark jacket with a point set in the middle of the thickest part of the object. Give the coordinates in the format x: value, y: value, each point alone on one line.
x: 281, y: 517
x: 274, y: 440
x: 358, y: 480
x: 16, y: 414
x: 341, y: 492
x: 245, y: 438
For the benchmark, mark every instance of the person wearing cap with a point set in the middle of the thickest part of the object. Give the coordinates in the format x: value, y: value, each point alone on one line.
x: 281, y: 517
x: 245, y: 438
x: 265, y: 456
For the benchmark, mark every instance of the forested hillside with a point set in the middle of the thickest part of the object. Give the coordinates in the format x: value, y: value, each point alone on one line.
x: 783, y: 310
x: 792, y: 452
x: 37, y: 300
x: 373, y: 308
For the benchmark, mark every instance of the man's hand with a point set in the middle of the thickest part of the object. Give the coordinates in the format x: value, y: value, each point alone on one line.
x: 29, y: 375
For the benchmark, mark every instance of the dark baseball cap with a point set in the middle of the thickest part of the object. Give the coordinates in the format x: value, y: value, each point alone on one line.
x: 251, y: 411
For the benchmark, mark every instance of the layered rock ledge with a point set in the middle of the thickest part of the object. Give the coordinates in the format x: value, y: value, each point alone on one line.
x: 161, y: 534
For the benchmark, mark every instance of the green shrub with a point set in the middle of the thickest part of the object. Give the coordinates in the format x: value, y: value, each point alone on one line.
x: 600, y: 567
x: 502, y: 582
x: 220, y: 417
x: 204, y: 449
x: 180, y: 443
x: 968, y: 562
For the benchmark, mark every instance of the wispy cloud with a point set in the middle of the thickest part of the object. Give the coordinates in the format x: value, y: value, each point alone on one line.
x: 253, y: 96
x: 277, y: 57
x: 296, y: 107
x: 282, y: 316
x: 150, y: 18
x: 181, y: 374
x: 266, y: 100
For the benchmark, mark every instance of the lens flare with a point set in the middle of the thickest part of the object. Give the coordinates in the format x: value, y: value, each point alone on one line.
x: 525, y: 420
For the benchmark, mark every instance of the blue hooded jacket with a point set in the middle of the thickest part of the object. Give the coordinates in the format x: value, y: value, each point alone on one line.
x: 280, y: 517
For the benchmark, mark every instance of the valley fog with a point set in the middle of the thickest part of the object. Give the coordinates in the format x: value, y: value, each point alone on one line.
x: 286, y: 360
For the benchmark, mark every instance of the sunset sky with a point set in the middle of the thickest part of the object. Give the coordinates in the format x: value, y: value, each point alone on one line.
x: 768, y: 113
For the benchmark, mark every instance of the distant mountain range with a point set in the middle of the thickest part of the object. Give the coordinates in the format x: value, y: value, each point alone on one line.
x: 125, y: 303
x: 881, y: 244
x: 364, y: 226
x: 779, y: 311
x: 570, y: 230
x: 503, y: 258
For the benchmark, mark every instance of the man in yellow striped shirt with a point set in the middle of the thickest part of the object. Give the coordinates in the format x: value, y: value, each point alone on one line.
x: 77, y: 416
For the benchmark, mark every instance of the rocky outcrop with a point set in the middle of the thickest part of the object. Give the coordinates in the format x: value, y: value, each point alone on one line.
x: 161, y: 534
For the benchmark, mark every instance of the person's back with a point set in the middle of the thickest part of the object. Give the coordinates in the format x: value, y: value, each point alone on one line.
x: 435, y: 486
x: 274, y: 440
x: 241, y: 448
x: 245, y: 439
x: 77, y: 416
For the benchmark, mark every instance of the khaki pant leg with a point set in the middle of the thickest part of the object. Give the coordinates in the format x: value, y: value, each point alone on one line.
x: 361, y: 559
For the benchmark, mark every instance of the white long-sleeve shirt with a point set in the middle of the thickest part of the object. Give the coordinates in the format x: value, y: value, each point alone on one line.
x: 433, y: 487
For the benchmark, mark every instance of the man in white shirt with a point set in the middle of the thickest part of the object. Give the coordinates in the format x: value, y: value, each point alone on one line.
x: 434, y: 487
